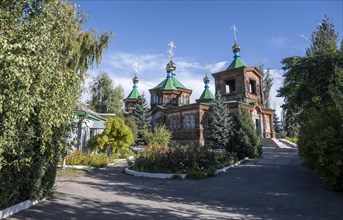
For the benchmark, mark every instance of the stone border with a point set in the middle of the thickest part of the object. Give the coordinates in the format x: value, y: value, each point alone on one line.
x: 154, y: 175
x: 224, y: 169
x: 17, y: 208
x: 173, y: 175
x: 288, y: 142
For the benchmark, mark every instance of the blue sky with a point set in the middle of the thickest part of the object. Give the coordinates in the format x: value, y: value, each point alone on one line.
x: 268, y: 31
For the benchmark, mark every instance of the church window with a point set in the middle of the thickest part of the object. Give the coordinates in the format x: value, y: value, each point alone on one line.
x: 168, y: 99
x: 191, y: 121
x: 231, y: 86
x: 252, y: 86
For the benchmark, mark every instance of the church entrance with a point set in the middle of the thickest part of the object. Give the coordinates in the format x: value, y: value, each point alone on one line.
x: 257, y: 121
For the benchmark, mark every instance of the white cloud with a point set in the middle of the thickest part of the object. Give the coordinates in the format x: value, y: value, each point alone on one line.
x: 277, y: 83
x: 151, y: 71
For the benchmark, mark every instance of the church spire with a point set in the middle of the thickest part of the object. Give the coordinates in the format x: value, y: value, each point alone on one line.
x: 237, y: 62
x: 206, y: 95
x: 171, y: 66
x: 134, y: 94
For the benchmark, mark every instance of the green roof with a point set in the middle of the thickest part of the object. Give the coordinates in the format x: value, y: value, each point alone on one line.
x: 170, y: 84
x: 134, y: 94
x: 207, y: 94
x: 89, y: 114
x: 236, y: 63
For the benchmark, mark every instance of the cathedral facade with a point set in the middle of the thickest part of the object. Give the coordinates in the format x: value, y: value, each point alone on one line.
x: 239, y: 85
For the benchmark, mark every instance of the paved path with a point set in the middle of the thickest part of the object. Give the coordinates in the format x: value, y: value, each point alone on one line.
x: 275, y: 186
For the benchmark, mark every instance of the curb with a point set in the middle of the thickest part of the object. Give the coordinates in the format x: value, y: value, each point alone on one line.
x: 172, y: 175
x: 154, y: 175
x: 77, y: 167
x: 17, y: 208
x: 224, y: 169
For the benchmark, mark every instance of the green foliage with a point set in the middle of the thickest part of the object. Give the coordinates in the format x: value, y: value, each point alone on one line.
x: 313, y: 91
x: 80, y: 158
x: 141, y: 115
x: 115, y: 140
x: 293, y: 140
x: 105, y: 98
x: 220, y: 124
x: 244, y: 139
x: 277, y: 128
x: 43, y: 59
x: 267, y: 84
x: 130, y: 122
x: 160, y: 136
x: 198, y: 162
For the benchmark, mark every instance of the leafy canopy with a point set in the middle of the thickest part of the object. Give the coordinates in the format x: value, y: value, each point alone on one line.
x: 105, y: 98
x: 43, y: 60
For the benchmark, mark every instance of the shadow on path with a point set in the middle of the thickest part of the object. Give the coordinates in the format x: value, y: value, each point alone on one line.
x: 267, y: 188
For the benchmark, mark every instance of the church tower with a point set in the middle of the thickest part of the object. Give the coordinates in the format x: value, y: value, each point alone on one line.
x: 241, y: 85
x: 170, y: 92
x: 206, y: 95
x: 134, y: 96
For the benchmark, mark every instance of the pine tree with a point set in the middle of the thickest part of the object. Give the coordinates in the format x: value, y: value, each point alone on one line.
x: 141, y: 116
x: 244, y: 139
x: 220, y: 124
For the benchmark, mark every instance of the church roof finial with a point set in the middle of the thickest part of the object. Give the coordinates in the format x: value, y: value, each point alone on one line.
x: 235, y: 47
x: 135, y: 79
x: 171, y: 66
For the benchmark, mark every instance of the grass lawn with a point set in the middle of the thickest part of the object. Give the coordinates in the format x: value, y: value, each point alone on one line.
x: 70, y: 173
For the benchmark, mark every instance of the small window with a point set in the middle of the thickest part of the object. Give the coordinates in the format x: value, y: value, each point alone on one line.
x: 231, y: 86
x: 252, y: 86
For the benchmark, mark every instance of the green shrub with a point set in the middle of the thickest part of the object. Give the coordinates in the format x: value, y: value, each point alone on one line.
x: 293, y: 140
x: 115, y: 140
x: 80, y: 158
x: 198, y: 162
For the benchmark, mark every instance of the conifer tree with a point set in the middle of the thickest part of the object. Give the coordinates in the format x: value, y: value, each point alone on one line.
x: 141, y: 116
x: 244, y: 140
x: 220, y: 124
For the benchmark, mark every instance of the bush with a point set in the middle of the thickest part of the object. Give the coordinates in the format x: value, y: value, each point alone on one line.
x: 80, y: 158
x: 323, y: 150
x: 198, y: 162
x: 293, y: 140
x: 115, y: 140
x: 160, y: 136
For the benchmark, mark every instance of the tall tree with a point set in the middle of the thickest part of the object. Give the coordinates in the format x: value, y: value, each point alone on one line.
x: 313, y: 94
x: 244, y: 139
x: 220, y: 124
x: 105, y: 98
x: 267, y: 83
x: 141, y: 115
x: 43, y: 60
x: 325, y: 39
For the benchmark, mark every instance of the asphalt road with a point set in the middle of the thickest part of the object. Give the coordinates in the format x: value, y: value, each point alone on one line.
x: 275, y: 186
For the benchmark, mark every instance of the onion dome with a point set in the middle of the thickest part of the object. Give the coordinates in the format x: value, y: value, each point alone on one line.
x: 171, y: 66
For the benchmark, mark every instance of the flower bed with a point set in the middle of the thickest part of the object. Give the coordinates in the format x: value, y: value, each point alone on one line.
x: 196, y: 162
x: 80, y: 158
